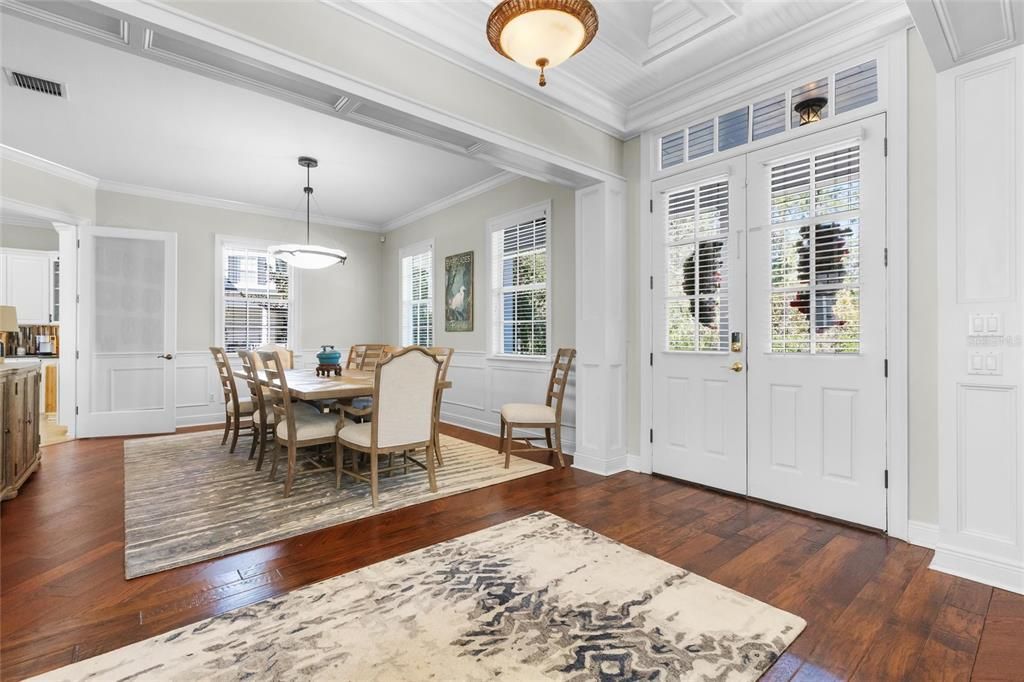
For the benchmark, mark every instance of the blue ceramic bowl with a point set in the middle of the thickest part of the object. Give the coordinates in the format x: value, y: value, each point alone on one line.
x: 329, y: 357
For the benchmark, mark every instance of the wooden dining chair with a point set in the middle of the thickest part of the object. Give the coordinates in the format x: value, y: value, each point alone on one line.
x: 445, y: 356
x: 236, y: 411
x: 547, y: 416
x: 404, y: 390
x: 263, y: 417
x: 295, y: 427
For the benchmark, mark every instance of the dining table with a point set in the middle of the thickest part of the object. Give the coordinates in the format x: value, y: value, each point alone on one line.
x: 304, y: 384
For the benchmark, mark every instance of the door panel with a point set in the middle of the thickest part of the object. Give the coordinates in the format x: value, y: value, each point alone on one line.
x: 127, y: 331
x: 816, y: 314
x: 699, y: 402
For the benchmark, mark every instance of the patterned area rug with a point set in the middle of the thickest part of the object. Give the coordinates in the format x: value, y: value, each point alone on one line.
x: 188, y: 500
x: 534, y: 598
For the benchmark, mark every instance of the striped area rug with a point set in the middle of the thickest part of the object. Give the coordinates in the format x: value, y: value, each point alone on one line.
x: 188, y: 500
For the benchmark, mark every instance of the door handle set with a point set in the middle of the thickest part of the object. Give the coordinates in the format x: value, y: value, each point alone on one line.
x: 165, y: 356
x: 736, y: 367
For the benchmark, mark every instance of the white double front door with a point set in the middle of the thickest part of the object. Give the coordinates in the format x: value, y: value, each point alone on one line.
x: 769, y: 324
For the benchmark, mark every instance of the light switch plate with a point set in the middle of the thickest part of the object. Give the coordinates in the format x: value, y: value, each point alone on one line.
x: 985, y: 362
x: 984, y: 324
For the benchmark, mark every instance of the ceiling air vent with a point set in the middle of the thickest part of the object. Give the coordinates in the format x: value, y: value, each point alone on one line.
x: 36, y: 84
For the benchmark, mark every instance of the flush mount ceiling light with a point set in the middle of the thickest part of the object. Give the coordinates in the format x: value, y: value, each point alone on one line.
x: 308, y: 256
x: 541, y: 34
x: 810, y: 109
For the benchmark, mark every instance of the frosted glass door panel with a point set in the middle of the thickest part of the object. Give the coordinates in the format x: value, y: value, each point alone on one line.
x: 127, y: 331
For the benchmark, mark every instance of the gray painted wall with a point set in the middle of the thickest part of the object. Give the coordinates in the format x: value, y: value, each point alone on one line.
x: 23, y: 237
x: 338, y: 305
x: 463, y: 227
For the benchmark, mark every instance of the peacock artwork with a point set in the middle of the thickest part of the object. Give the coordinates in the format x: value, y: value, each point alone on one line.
x: 458, y: 292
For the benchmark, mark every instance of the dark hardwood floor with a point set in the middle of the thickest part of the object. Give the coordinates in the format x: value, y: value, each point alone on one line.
x: 874, y: 610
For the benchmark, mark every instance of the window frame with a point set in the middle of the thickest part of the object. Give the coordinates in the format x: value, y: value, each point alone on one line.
x: 495, y: 322
x: 404, y: 304
x: 220, y: 242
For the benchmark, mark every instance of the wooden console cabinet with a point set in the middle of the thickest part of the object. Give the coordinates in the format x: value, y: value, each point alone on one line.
x: 19, y: 426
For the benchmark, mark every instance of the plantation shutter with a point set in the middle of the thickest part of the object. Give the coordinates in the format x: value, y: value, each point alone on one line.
x: 418, y: 298
x: 521, y: 297
x: 256, y: 298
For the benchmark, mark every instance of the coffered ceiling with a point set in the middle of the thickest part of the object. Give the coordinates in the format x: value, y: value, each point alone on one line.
x: 649, y: 55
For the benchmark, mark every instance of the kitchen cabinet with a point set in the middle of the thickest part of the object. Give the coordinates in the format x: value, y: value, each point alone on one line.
x: 28, y: 284
x: 19, y: 426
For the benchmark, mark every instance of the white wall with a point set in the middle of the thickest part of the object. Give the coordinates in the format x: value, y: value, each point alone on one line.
x: 22, y: 183
x: 24, y: 237
x: 337, y: 305
x: 922, y: 279
x: 980, y: 235
x: 482, y: 384
x: 635, y: 294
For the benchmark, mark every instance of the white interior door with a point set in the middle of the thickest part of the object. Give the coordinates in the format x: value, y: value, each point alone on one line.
x: 699, y: 393
x: 127, y: 331
x: 816, y: 315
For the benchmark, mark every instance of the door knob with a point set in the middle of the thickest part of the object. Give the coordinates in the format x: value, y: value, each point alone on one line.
x: 736, y: 367
x: 166, y: 356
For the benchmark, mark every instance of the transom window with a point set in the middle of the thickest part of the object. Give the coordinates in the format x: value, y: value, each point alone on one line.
x: 257, y: 301
x: 418, y: 295
x: 815, y: 253
x: 696, y: 268
x: 519, y: 283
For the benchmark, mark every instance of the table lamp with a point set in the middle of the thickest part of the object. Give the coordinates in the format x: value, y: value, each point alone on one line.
x: 8, y: 323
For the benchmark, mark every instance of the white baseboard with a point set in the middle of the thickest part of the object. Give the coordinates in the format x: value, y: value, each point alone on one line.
x: 982, y: 568
x: 200, y: 420
x: 923, y: 534
x: 596, y: 465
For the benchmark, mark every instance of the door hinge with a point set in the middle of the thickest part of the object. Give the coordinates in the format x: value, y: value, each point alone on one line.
x: 885, y: 146
x: 652, y: 282
x: 76, y: 355
x: 886, y: 479
x: 885, y: 257
x: 78, y: 299
x: 652, y: 435
x: 76, y: 409
x: 885, y: 368
x: 652, y: 359
x: 652, y: 205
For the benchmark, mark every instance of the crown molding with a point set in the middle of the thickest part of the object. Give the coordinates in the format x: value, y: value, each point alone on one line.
x: 40, y: 212
x: 227, y: 204
x: 481, y: 187
x: 38, y: 163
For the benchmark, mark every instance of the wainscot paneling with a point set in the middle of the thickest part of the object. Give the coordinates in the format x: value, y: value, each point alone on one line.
x: 979, y: 235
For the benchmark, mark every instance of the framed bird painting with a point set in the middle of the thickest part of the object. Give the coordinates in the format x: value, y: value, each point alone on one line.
x: 458, y: 292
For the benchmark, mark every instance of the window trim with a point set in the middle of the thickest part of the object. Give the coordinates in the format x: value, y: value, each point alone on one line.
x: 414, y: 250
x: 295, y: 285
x: 501, y: 222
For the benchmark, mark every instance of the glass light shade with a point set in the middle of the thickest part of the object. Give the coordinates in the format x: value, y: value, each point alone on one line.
x: 308, y: 256
x: 542, y: 34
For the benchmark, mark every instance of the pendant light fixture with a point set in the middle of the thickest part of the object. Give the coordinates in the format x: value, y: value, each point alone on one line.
x: 308, y: 256
x: 541, y: 34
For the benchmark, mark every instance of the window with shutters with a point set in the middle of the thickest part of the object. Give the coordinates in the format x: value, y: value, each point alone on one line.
x: 418, y: 295
x: 696, y: 268
x: 847, y: 90
x: 520, y: 286
x: 257, y: 299
x: 815, y: 252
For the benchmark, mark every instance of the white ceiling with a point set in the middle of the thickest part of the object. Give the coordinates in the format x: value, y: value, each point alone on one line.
x: 645, y: 53
x: 133, y: 120
x: 957, y: 31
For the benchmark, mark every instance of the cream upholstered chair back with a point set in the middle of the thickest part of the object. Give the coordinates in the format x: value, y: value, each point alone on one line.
x: 286, y: 356
x: 403, y: 397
